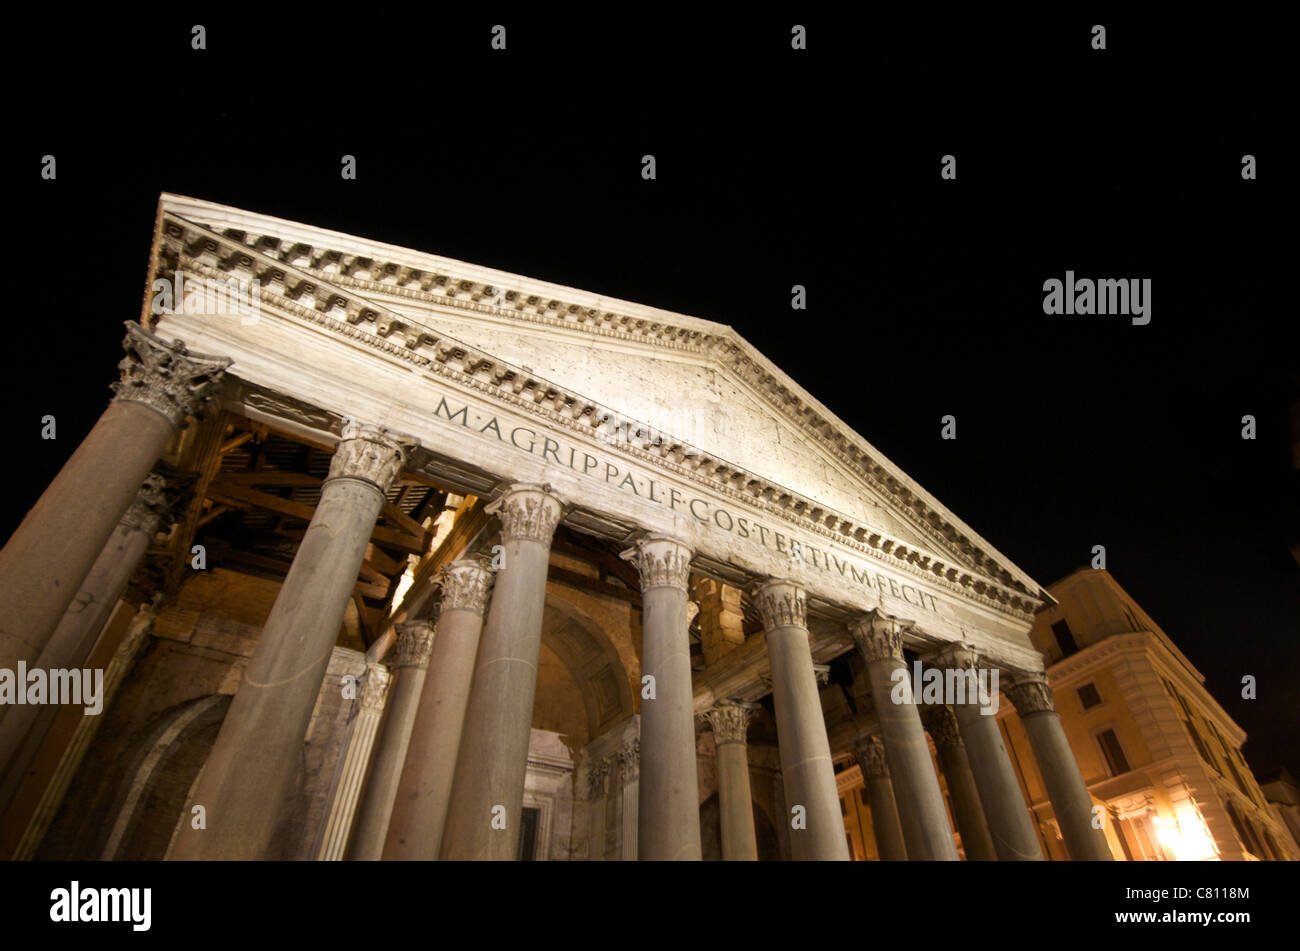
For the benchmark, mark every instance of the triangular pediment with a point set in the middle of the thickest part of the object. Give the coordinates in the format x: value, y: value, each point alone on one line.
x: 695, y: 389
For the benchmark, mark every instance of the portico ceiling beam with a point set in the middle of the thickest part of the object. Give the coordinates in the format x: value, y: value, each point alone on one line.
x: 240, y: 496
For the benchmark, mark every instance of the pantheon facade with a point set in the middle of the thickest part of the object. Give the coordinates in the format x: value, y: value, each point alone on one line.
x: 388, y: 556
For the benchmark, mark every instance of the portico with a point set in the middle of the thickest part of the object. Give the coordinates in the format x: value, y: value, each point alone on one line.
x: 577, y: 444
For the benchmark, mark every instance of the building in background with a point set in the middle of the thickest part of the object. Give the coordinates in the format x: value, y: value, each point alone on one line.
x: 1156, y: 749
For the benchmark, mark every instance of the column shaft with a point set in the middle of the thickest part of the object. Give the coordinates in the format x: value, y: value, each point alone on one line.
x: 491, y: 765
x: 962, y: 791
x: 1008, y: 817
x: 415, y: 640
x: 23, y: 727
x: 668, y: 821
x: 45, y: 560
x: 885, y: 823
x: 1071, y: 801
x: 730, y: 720
x: 424, y: 792
x: 921, y: 810
x: 352, y: 768
x: 801, y: 730
x: 248, y: 774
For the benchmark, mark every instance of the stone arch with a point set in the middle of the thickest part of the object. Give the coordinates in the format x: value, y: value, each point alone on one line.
x: 160, y: 770
x: 593, y: 664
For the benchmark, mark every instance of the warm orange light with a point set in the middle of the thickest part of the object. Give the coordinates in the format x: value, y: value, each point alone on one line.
x: 1185, y: 835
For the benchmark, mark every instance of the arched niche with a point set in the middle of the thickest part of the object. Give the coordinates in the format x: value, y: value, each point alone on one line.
x: 593, y: 674
x: 159, y: 772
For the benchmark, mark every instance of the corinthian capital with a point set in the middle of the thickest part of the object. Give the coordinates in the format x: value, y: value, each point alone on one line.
x: 941, y: 723
x: 878, y: 636
x: 414, y: 642
x: 465, y: 585
x: 369, y: 453
x: 661, y: 560
x: 629, y: 761
x: 730, y: 720
x: 781, y: 604
x: 871, y: 757
x: 597, y: 773
x: 376, y: 687
x: 527, y: 513
x: 957, y: 657
x: 1030, y: 693
x: 165, y: 376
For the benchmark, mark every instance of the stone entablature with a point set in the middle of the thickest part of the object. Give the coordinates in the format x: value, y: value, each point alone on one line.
x: 299, y: 268
x: 470, y: 407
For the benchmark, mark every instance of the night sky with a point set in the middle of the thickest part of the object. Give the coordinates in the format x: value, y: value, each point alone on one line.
x: 774, y: 168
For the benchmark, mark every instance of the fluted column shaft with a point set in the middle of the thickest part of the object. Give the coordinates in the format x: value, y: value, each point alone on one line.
x: 1065, y: 786
x: 921, y: 810
x: 962, y: 791
x: 801, y: 730
x: 491, y: 765
x: 668, y: 823
x: 23, y: 727
x: 880, y: 796
x: 248, y: 774
x: 356, y: 758
x: 1010, y: 824
x: 424, y: 792
x: 730, y: 720
x: 45, y: 560
x: 415, y: 641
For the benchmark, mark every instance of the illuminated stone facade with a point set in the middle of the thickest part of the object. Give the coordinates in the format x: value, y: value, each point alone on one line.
x: 1158, y: 754
x: 458, y: 564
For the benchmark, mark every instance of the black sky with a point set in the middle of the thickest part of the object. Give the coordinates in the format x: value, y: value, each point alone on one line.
x: 774, y: 168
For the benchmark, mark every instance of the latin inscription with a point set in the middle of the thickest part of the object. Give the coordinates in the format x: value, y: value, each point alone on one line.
x: 527, y: 440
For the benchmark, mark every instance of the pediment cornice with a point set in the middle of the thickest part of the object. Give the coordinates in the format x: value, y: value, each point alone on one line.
x: 322, y: 275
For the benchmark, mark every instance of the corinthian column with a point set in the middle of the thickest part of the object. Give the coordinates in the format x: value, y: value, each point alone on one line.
x: 870, y: 753
x: 415, y: 640
x: 1065, y: 786
x: 23, y: 727
x: 916, y: 787
x: 966, y: 806
x: 420, y: 810
x: 1008, y: 817
x: 801, y: 730
x: 730, y: 721
x: 488, y: 793
x: 669, y: 812
x: 246, y: 780
x: 44, y: 562
x: 352, y: 772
